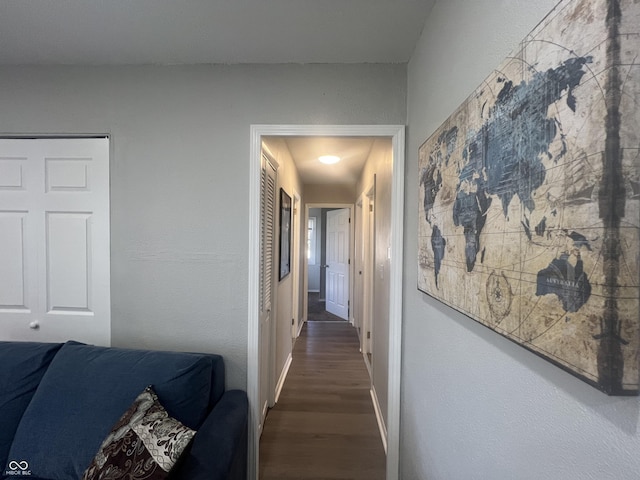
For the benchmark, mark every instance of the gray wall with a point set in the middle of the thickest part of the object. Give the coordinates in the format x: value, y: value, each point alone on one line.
x: 475, y: 405
x: 180, y: 176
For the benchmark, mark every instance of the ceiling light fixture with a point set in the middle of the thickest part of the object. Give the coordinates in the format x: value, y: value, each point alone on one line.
x: 329, y: 159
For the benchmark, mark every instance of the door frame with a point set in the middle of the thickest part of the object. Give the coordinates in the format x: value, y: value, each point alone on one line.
x: 358, y: 295
x: 367, y: 197
x: 296, y: 225
x: 397, y: 134
x: 305, y: 287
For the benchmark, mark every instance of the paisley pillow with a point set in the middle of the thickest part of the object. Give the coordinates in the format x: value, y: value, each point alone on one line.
x: 145, y: 443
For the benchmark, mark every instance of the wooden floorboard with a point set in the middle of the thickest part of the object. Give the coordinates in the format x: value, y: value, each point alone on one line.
x: 324, y: 426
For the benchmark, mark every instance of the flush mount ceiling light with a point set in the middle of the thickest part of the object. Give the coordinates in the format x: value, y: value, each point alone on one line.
x: 329, y: 159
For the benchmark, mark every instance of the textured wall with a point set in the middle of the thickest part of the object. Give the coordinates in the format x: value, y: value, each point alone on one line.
x: 180, y: 176
x: 474, y: 405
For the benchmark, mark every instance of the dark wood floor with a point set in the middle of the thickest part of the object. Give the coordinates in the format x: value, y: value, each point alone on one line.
x: 316, y: 310
x: 324, y: 425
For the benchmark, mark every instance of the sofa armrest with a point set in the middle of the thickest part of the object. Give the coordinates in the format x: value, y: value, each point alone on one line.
x: 219, y: 448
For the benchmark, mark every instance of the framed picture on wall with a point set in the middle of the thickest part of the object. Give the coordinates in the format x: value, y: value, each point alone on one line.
x: 529, y: 203
x: 285, y: 234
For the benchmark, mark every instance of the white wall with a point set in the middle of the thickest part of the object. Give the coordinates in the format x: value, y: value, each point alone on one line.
x: 475, y: 405
x: 180, y: 176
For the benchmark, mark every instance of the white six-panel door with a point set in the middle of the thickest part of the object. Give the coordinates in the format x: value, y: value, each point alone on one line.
x: 54, y: 240
x: 337, y: 278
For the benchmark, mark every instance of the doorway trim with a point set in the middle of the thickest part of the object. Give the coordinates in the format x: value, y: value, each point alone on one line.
x: 305, y: 287
x: 397, y: 134
x: 296, y: 226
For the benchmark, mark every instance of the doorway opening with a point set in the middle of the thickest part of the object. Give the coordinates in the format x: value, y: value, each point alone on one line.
x: 329, y: 252
x: 391, y: 271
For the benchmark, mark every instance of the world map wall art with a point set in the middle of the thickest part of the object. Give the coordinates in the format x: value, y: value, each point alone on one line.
x: 529, y: 216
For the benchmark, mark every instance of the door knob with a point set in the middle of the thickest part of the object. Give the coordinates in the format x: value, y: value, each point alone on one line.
x: 35, y: 325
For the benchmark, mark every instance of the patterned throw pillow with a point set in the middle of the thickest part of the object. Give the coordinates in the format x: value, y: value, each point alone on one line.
x: 144, y: 444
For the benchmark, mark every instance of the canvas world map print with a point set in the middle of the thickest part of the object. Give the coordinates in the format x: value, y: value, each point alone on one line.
x: 529, y: 203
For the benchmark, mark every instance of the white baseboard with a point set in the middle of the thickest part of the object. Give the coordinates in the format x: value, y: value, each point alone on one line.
x: 263, y: 416
x: 300, y: 326
x: 379, y: 418
x: 283, y: 377
x: 313, y: 291
x: 367, y: 364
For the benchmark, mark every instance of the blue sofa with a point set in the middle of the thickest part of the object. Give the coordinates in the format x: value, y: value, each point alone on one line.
x: 58, y: 402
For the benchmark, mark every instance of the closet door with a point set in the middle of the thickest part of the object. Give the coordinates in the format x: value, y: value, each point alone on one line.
x: 54, y: 240
x: 268, y: 184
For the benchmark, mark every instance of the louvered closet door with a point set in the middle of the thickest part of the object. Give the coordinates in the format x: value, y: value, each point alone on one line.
x: 267, y: 215
x: 54, y: 240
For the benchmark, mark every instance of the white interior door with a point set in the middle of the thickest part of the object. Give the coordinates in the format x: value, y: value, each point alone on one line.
x: 267, y: 272
x: 54, y: 240
x: 337, y: 278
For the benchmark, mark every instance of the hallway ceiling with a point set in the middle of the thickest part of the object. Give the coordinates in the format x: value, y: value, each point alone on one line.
x: 97, y: 32
x: 353, y: 151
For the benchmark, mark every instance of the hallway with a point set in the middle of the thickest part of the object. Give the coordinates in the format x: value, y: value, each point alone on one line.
x: 324, y: 425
